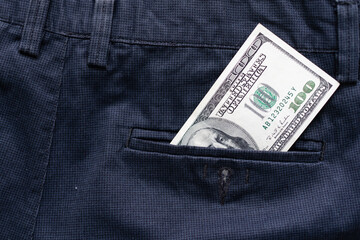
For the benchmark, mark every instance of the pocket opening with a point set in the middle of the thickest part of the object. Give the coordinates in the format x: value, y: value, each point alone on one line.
x: 158, y: 141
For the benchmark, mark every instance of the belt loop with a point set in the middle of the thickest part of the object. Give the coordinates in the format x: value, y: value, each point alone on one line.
x: 100, y: 35
x: 32, y: 32
x: 348, y: 40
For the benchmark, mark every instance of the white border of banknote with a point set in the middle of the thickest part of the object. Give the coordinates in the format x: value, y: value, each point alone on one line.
x: 312, y: 106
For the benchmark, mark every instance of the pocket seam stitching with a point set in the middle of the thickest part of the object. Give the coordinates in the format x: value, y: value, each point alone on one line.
x: 130, y: 137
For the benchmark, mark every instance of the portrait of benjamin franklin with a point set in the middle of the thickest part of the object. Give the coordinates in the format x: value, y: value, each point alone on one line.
x: 218, y: 133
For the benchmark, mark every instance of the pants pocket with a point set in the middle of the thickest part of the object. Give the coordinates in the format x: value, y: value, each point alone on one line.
x: 191, y: 185
x: 303, y: 151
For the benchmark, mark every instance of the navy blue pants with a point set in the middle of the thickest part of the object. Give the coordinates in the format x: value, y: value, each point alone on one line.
x: 92, y: 92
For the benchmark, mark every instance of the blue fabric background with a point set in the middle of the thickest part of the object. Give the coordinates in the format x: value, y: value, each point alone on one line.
x: 85, y: 154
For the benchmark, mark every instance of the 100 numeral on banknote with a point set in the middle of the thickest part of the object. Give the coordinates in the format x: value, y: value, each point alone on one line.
x: 263, y: 100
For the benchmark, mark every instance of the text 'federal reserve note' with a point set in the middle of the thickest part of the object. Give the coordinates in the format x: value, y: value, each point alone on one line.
x: 263, y: 100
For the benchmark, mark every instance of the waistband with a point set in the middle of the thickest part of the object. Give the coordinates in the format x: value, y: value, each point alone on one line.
x: 306, y: 25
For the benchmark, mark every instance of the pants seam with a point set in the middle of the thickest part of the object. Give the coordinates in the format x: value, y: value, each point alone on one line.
x: 31, y: 233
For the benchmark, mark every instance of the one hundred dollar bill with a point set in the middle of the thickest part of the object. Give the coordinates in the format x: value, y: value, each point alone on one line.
x: 263, y: 100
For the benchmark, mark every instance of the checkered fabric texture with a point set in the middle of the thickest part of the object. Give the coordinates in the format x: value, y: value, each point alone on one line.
x: 84, y: 135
